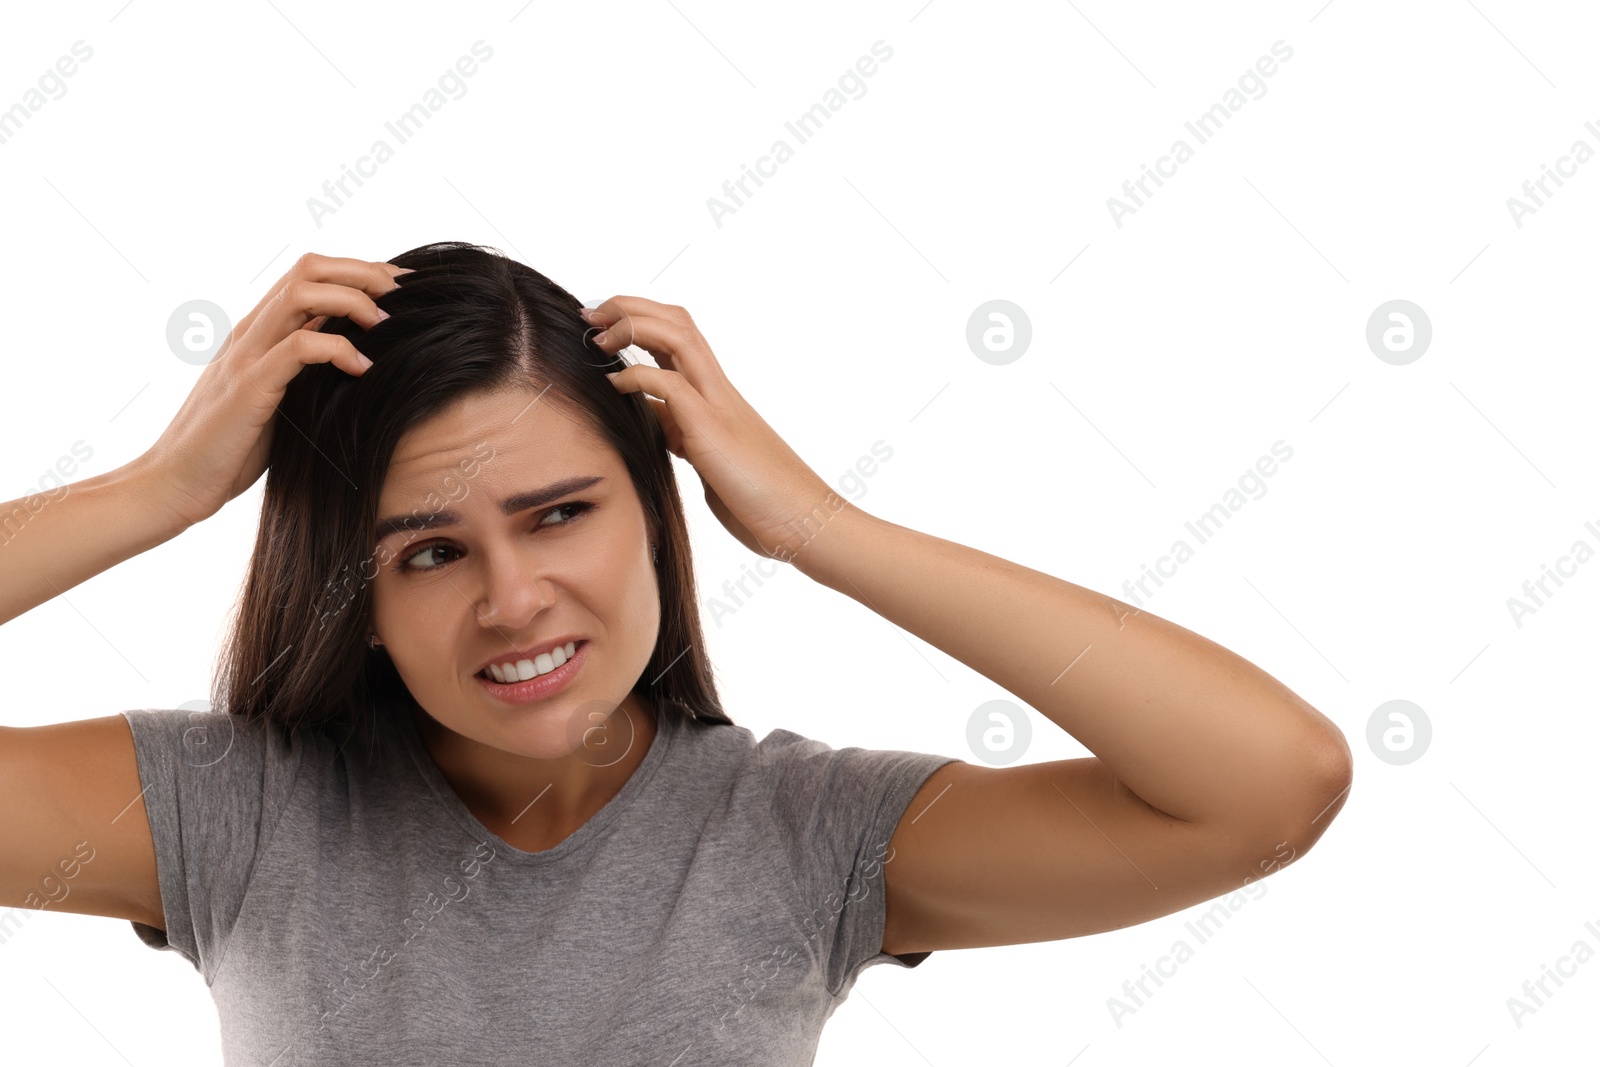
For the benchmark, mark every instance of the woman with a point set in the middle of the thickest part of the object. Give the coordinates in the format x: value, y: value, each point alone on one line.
x: 471, y: 796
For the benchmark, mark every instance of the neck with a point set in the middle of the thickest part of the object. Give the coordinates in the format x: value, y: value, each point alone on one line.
x: 539, y: 802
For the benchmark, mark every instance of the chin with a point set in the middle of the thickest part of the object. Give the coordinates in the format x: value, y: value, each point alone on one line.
x: 597, y: 731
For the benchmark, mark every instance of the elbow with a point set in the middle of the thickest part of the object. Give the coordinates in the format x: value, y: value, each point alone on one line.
x: 1293, y: 808
x: 1323, y: 769
x: 1332, y: 767
x: 1323, y: 785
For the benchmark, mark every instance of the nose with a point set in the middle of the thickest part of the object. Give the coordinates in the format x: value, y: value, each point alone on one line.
x: 515, y: 590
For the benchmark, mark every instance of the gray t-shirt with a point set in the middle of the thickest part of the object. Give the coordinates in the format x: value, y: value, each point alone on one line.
x: 347, y: 907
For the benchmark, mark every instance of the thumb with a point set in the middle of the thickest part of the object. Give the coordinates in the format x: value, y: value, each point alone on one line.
x: 669, y: 427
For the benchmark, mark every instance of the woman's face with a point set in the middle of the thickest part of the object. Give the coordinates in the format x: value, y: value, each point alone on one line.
x: 448, y: 598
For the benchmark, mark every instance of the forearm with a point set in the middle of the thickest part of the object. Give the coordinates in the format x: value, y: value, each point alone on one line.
x: 1193, y: 729
x: 50, y: 542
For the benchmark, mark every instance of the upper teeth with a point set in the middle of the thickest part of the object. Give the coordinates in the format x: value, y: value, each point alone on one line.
x: 543, y: 663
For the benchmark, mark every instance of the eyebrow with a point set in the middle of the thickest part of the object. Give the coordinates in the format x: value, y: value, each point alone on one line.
x: 532, y: 498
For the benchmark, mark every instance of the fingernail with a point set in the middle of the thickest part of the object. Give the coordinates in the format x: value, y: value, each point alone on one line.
x: 382, y: 314
x: 600, y: 338
x: 613, y: 375
x: 363, y: 360
x: 587, y: 313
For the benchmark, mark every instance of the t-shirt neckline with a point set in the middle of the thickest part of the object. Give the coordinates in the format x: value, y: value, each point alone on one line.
x: 594, y: 827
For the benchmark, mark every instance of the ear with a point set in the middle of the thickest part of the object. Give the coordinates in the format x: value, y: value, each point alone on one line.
x: 652, y: 531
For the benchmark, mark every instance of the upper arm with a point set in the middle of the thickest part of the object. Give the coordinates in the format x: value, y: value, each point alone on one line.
x: 75, y: 836
x: 1004, y: 856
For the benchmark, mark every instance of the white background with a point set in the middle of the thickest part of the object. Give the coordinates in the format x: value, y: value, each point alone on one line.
x: 1168, y: 354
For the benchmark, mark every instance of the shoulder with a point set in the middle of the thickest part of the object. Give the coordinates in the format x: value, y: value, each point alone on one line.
x: 197, y: 746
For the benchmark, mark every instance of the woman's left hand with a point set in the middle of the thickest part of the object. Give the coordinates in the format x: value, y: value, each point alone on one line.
x: 754, y: 482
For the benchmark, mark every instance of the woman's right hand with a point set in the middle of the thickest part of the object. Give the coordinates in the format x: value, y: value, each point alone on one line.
x: 218, y: 443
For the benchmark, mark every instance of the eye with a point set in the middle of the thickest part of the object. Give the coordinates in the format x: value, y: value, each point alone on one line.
x: 576, y: 507
x: 405, y: 561
x: 581, y: 506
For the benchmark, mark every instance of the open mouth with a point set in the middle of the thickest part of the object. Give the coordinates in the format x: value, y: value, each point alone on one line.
x: 529, y: 669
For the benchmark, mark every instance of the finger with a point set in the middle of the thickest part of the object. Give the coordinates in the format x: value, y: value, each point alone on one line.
x: 674, y: 342
x: 300, y: 349
x: 617, y: 311
x: 370, y: 277
x: 683, y: 411
x: 300, y: 301
x: 669, y: 426
x: 662, y: 385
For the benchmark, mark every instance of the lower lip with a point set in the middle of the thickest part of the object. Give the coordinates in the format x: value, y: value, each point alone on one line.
x: 536, y: 689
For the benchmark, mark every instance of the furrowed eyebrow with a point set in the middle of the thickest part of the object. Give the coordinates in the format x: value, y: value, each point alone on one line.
x: 509, y: 506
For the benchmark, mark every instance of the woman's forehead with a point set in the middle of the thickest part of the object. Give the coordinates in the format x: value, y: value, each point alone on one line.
x: 527, y: 425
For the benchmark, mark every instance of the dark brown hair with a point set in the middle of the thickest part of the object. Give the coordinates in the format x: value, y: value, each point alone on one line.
x: 467, y: 320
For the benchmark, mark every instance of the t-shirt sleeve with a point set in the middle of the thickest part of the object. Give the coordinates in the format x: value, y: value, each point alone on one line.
x: 213, y: 788
x: 835, y: 811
